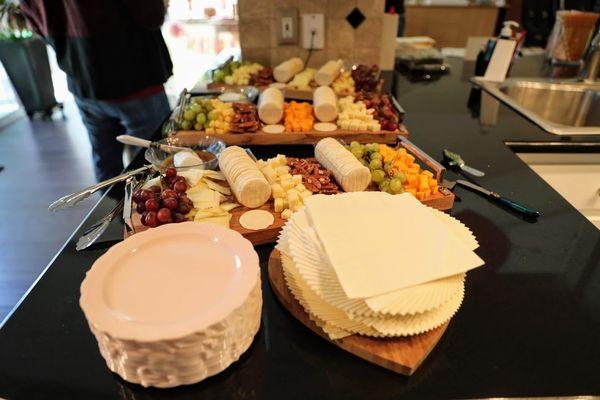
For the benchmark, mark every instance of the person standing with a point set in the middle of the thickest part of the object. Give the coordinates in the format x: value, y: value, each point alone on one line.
x: 116, y: 62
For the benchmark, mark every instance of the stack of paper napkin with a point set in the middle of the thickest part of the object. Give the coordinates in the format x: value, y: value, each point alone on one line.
x: 376, y: 264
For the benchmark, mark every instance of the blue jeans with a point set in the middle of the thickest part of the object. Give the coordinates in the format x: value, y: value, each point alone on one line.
x: 106, y: 120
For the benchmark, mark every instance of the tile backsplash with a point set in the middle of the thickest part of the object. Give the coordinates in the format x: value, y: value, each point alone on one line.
x: 258, y: 33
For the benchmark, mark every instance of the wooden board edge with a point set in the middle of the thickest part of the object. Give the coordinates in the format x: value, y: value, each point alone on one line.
x: 279, y: 287
x: 291, y: 138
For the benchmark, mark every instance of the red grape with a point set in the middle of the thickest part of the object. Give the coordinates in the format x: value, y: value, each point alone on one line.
x: 183, y: 198
x: 171, y: 203
x: 151, y: 219
x: 171, y: 172
x: 137, y: 196
x: 183, y: 208
x: 143, y: 217
x: 163, y: 215
x: 155, y: 188
x: 140, y: 208
x: 177, y: 217
x: 180, y: 186
x: 168, y: 193
x: 147, y: 194
x: 152, y: 204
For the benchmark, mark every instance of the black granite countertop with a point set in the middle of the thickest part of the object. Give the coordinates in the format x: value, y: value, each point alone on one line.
x: 529, y: 324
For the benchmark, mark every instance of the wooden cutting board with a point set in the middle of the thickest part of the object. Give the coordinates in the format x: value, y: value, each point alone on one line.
x: 268, y: 235
x: 402, y: 355
x: 260, y: 138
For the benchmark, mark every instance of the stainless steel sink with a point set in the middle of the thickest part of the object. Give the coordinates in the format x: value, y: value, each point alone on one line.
x: 561, y: 108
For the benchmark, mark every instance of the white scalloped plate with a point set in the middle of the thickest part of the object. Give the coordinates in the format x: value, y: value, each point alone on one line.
x: 169, y: 282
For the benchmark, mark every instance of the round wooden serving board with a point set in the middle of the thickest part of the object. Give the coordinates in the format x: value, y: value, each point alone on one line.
x: 402, y: 355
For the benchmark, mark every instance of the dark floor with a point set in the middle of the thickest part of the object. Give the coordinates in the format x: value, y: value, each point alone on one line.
x: 42, y: 161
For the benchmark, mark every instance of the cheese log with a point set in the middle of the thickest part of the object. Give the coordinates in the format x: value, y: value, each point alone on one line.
x: 270, y: 106
x: 248, y: 184
x: 348, y: 171
x: 328, y: 72
x: 287, y: 69
x: 325, y: 104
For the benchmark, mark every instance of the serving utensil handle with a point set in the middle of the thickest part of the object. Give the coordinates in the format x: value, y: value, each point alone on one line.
x: 506, y: 202
x: 74, y: 198
x: 134, y: 141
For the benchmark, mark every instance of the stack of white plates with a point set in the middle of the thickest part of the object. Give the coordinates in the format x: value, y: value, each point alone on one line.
x: 174, y: 304
x: 375, y: 264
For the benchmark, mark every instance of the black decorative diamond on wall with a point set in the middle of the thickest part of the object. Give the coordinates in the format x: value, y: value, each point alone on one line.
x: 355, y: 18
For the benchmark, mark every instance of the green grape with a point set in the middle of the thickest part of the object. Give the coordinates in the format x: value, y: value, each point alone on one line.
x: 372, y: 147
x: 354, y: 144
x: 197, y: 108
x: 377, y: 175
x: 358, y: 152
x: 219, y: 76
x: 208, y: 106
x: 384, y: 185
x: 186, y: 125
x: 376, y: 156
x: 198, y: 100
x: 396, y: 186
x: 387, y: 167
x: 364, y: 162
x: 375, y: 164
x: 189, y: 115
x: 212, y: 115
x: 201, y: 118
x: 400, y: 175
x: 198, y: 126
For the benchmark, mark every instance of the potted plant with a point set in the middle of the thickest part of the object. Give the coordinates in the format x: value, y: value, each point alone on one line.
x: 25, y: 60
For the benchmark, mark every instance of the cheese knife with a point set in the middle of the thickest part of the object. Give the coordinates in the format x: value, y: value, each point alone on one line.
x: 503, y: 201
x: 455, y: 160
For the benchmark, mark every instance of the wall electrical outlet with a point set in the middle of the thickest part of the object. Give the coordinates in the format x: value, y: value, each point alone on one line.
x: 287, y: 25
x: 313, y: 23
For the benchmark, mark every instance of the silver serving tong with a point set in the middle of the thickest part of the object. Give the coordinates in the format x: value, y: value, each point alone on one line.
x: 74, y: 198
x: 93, y: 233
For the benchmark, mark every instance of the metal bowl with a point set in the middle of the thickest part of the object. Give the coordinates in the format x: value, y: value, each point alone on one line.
x: 208, y: 149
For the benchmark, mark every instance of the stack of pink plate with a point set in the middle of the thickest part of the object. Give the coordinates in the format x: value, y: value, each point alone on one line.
x: 176, y: 304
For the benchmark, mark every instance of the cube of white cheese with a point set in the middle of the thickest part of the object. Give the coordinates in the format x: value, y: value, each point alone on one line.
x: 282, y: 170
x: 293, y: 198
x: 297, y: 179
x: 281, y: 159
x: 270, y: 174
x: 278, y: 205
x: 286, y: 214
x: 300, y: 187
x: 261, y: 164
x: 305, y: 194
x: 287, y: 184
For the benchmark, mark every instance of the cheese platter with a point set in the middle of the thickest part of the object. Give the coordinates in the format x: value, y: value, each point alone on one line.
x: 364, y: 117
x: 295, y: 80
x: 277, y: 187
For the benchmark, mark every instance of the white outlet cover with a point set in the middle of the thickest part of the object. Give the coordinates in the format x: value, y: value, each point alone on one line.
x: 310, y: 23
